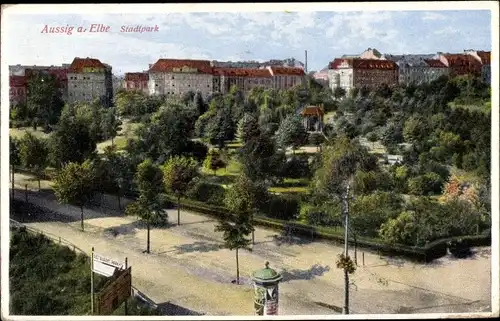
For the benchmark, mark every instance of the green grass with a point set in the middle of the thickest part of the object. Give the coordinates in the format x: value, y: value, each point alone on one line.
x: 20, y: 132
x: 479, y: 105
x: 284, y: 190
x: 50, y: 279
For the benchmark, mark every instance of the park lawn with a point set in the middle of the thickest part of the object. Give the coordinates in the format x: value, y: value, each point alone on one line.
x: 234, y: 144
x: 19, y: 132
x: 285, y: 190
x: 479, y: 105
x: 127, y: 132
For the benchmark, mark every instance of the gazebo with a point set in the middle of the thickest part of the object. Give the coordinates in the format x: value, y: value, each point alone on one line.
x: 313, y: 118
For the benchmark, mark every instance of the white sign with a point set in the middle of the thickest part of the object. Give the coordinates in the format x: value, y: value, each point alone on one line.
x: 105, y: 266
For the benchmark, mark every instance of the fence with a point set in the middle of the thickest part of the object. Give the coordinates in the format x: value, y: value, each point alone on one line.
x: 135, y: 292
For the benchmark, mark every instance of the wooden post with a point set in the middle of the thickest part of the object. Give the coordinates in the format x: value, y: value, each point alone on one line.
x: 26, y: 192
x: 126, y: 301
x: 363, y: 258
x: 92, y: 282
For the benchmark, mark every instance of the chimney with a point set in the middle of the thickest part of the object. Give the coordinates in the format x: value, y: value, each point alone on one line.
x: 306, y: 63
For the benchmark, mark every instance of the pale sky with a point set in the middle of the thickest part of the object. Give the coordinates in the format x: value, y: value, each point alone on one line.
x: 241, y: 35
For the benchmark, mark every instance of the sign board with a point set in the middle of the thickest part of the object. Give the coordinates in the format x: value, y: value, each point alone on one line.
x: 271, y: 304
x: 115, y: 292
x: 105, y: 266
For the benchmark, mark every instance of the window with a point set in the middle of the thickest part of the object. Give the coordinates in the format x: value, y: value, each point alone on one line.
x: 74, y: 86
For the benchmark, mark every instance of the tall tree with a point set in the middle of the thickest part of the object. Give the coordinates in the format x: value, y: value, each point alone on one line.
x: 246, y: 197
x: 260, y: 159
x: 178, y: 173
x: 110, y: 124
x: 149, y: 205
x: 33, y: 153
x: 248, y: 128
x: 74, y: 184
x: 339, y: 92
x: 71, y: 142
x: 291, y: 133
x: 237, y: 229
x: 14, y: 158
x: 44, y: 100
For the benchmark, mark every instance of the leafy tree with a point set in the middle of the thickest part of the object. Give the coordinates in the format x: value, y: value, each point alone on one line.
x: 214, y: 161
x: 71, y: 142
x: 74, y: 184
x: 14, y: 158
x: 339, y: 163
x: 179, y: 172
x: 316, y: 139
x: 220, y: 128
x: 372, y: 138
x: 33, y: 153
x: 415, y: 130
x: 110, y: 124
x: 118, y: 168
x: 248, y: 128
x: 44, y: 100
x: 291, y: 132
x: 238, y: 228
x: 260, y: 159
x: 246, y: 196
x: 149, y: 206
x: 339, y: 93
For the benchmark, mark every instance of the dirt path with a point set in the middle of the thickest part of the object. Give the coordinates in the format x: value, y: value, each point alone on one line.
x: 189, y: 267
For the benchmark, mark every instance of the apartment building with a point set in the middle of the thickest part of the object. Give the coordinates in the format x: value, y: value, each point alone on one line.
x: 18, y: 89
x: 461, y: 64
x: 136, y: 81
x: 89, y: 79
x: 244, y: 78
x: 356, y: 73
x: 418, y: 68
x: 484, y: 57
x: 286, y: 77
x: 178, y: 76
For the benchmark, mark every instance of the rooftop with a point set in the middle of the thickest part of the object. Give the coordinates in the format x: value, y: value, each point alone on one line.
x: 168, y: 65
x: 79, y: 64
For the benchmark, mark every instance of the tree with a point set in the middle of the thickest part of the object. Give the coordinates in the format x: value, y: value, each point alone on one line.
x: 74, y: 184
x: 248, y: 128
x: 220, y: 128
x: 110, y: 124
x: 237, y: 229
x: 179, y: 172
x: 246, y: 196
x: 119, y: 170
x: 260, y: 159
x: 33, y: 153
x: 339, y: 92
x: 372, y: 138
x: 13, y: 158
x: 415, y: 130
x: 149, y: 206
x: 44, y: 100
x: 214, y: 161
x: 291, y: 132
x: 71, y: 142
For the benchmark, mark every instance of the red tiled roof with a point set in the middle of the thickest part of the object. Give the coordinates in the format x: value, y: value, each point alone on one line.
x: 278, y: 70
x: 243, y: 72
x: 168, y: 65
x: 79, y: 64
x: 312, y: 111
x: 136, y: 76
x: 434, y: 63
x: 485, y: 57
x: 455, y: 60
x: 358, y: 63
x: 17, y: 81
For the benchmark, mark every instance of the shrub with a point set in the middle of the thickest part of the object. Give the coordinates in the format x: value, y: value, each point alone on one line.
x: 283, y: 207
x: 206, y: 192
x: 296, y: 167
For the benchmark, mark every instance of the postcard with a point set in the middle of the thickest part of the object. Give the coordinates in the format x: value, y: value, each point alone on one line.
x: 293, y: 160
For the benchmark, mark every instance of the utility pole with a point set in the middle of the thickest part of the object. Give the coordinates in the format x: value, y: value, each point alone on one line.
x: 306, y: 62
x: 345, y: 310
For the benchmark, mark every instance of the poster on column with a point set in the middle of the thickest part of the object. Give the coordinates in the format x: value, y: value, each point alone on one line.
x: 271, y: 305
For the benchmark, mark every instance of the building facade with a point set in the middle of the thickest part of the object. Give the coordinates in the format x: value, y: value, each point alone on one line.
x: 89, y: 79
x: 418, y: 69
x: 176, y: 77
x: 356, y: 73
x: 136, y: 81
x: 286, y: 77
x: 484, y: 57
x: 18, y: 90
x: 461, y: 64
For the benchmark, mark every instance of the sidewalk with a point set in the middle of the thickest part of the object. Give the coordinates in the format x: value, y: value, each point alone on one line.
x: 188, y: 265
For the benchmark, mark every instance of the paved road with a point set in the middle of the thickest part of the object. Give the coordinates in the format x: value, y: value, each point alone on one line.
x: 188, y: 267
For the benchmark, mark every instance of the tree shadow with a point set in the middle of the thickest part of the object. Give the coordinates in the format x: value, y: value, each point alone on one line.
x: 220, y: 179
x: 283, y: 239
x: 168, y: 308
x: 197, y: 246
x: 198, y: 222
x: 315, y: 271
